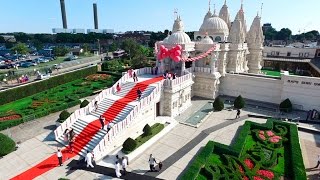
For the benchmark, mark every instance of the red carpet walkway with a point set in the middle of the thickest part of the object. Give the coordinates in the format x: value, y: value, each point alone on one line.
x: 86, y: 134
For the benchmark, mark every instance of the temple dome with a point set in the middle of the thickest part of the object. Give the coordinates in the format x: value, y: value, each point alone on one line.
x: 214, y: 25
x: 179, y: 37
x: 166, y: 40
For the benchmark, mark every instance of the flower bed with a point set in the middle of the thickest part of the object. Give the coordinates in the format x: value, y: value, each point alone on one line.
x: 10, y: 117
x: 262, y: 152
x: 97, y: 77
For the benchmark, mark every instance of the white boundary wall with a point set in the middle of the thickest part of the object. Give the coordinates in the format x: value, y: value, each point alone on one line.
x: 303, y: 92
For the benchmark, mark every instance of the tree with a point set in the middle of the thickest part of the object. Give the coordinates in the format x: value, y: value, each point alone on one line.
x: 284, y: 34
x: 286, y: 106
x: 20, y: 48
x: 37, y: 44
x: 2, y: 40
x: 84, y: 103
x: 270, y: 34
x: 60, y: 51
x: 113, y: 47
x: 86, y: 48
x: 147, y: 130
x: 239, y: 102
x: 218, y: 104
x: 131, y: 47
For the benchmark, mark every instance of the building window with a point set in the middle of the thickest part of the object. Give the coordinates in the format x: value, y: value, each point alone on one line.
x: 288, y: 54
x: 217, y: 39
x: 273, y: 53
x: 306, y: 54
x: 277, y: 53
x: 300, y: 54
x: 199, y: 38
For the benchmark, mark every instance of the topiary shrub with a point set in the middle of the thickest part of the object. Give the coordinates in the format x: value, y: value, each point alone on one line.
x: 147, y: 130
x: 218, y: 104
x: 286, y: 106
x: 7, y: 145
x: 129, y: 145
x: 63, y: 116
x: 84, y: 103
x: 239, y: 102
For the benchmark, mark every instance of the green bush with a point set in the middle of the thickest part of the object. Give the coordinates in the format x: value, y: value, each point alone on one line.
x: 7, y: 145
x: 129, y: 145
x: 63, y: 116
x: 218, y: 104
x: 147, y: 130
x: 84, y: 103
x: 239, y: 102
x: 286, y: 106
x: 28, y: 90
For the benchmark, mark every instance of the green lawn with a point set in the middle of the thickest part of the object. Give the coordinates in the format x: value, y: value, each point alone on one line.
x: 156, y: 128
x: 52, y: 100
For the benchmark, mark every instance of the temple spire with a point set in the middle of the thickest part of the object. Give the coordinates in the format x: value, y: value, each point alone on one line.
x: 209, y: 5
x: 225, y: 2
x: 261, y: 10
x: 214, y: 9
x: 241, y: 5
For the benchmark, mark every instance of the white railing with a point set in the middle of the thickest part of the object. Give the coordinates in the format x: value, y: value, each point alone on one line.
x: 171, y: 83
x: 202, y: 69
x: 90, y: 107
x: 102, y: 148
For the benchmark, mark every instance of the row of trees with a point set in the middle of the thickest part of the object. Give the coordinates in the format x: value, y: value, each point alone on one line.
x: 285, y: 34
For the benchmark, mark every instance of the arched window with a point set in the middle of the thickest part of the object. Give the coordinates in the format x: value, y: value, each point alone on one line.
x: 198, y: 38
x: 217, y: 39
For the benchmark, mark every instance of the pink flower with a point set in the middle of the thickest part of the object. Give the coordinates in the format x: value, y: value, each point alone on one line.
x: 241, y: 169
x: 249, y: 163
x: 261, y: 132
x: 245, y: 178
x: 262, y: 137
x: 275, y: 139
x: 257, y: 178
x: 270, y: 133
x: 265, y: 173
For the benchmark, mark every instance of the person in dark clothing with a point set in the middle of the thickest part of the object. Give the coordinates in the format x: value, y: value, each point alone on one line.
x: 101, y: 119
x: 156, y: 70
x: 238, y: 114
x: 96, y: 105
x: 160, y: 165
x: 135, y: 78
x: 71, y: 134
x: 139, y: 93
x: 174, y: 75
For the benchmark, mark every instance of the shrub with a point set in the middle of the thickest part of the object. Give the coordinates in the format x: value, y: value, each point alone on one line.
x: 63, y: 116
x: 239, y: 102
x: 147, y: 130
x: 7, y: 145
x: 84, y: 103
x: 286, y: 106
x: 129, y: 145
x: 218, y: 105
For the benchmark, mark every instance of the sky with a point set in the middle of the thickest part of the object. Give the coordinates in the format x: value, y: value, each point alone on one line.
x: 40, y: 16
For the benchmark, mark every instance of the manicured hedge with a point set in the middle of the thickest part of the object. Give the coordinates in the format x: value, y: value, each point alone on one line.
x: 7, y: 145
x: 198, y: 163
x: 28, y: 90
x: 294, y: 167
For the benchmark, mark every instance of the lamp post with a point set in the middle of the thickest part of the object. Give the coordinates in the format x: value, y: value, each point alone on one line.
x: 98, y: 40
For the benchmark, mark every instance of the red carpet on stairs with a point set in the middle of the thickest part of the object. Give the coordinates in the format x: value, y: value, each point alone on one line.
x: 86, y: 134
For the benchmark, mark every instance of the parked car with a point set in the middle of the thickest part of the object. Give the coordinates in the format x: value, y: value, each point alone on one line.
x: 4, y: 66
x: 57, y: 66
x: 26, y: 64
x: 71, y: 58
x: 49, y: 58
x: 33, y: 62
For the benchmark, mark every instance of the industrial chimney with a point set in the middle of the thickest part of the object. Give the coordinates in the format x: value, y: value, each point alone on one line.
x: 95, y: 15
x: 63, y: 13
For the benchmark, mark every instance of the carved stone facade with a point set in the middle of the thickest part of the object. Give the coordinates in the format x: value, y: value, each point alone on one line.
x: 205, y: 85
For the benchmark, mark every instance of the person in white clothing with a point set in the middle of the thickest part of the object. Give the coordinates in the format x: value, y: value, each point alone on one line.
x: 59, y: 155
x: 88, y: 159
x: 124, y: 165
x: 117, y: 168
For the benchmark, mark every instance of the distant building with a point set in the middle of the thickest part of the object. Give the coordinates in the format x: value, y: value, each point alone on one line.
x: 9, y: 38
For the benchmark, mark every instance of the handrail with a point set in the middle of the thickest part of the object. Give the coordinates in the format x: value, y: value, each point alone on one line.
x: 90, y: 107
x: 171, y: 83
x: 118, y: 128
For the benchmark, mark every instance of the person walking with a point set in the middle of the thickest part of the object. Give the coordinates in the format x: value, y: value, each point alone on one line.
x: 118, y: 88
x: 117, y: 169
x: 139, y: 93
x: 124, y: 165
x: 71, y: 142
x: 318, y: 162
x: 96, y: 105
x: 108, y: 126
x: 152, y: 161
x: 102, y: 119
x: 134, y: 76
x: 59, y: 155
x: 238, y: 114
x: 174, y: 75
x: 156, y: 70
x: 88, y: 159
x: 130, y: 73
x: 160, y: 165
x: 71, y: 134
x: 65, y: 135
